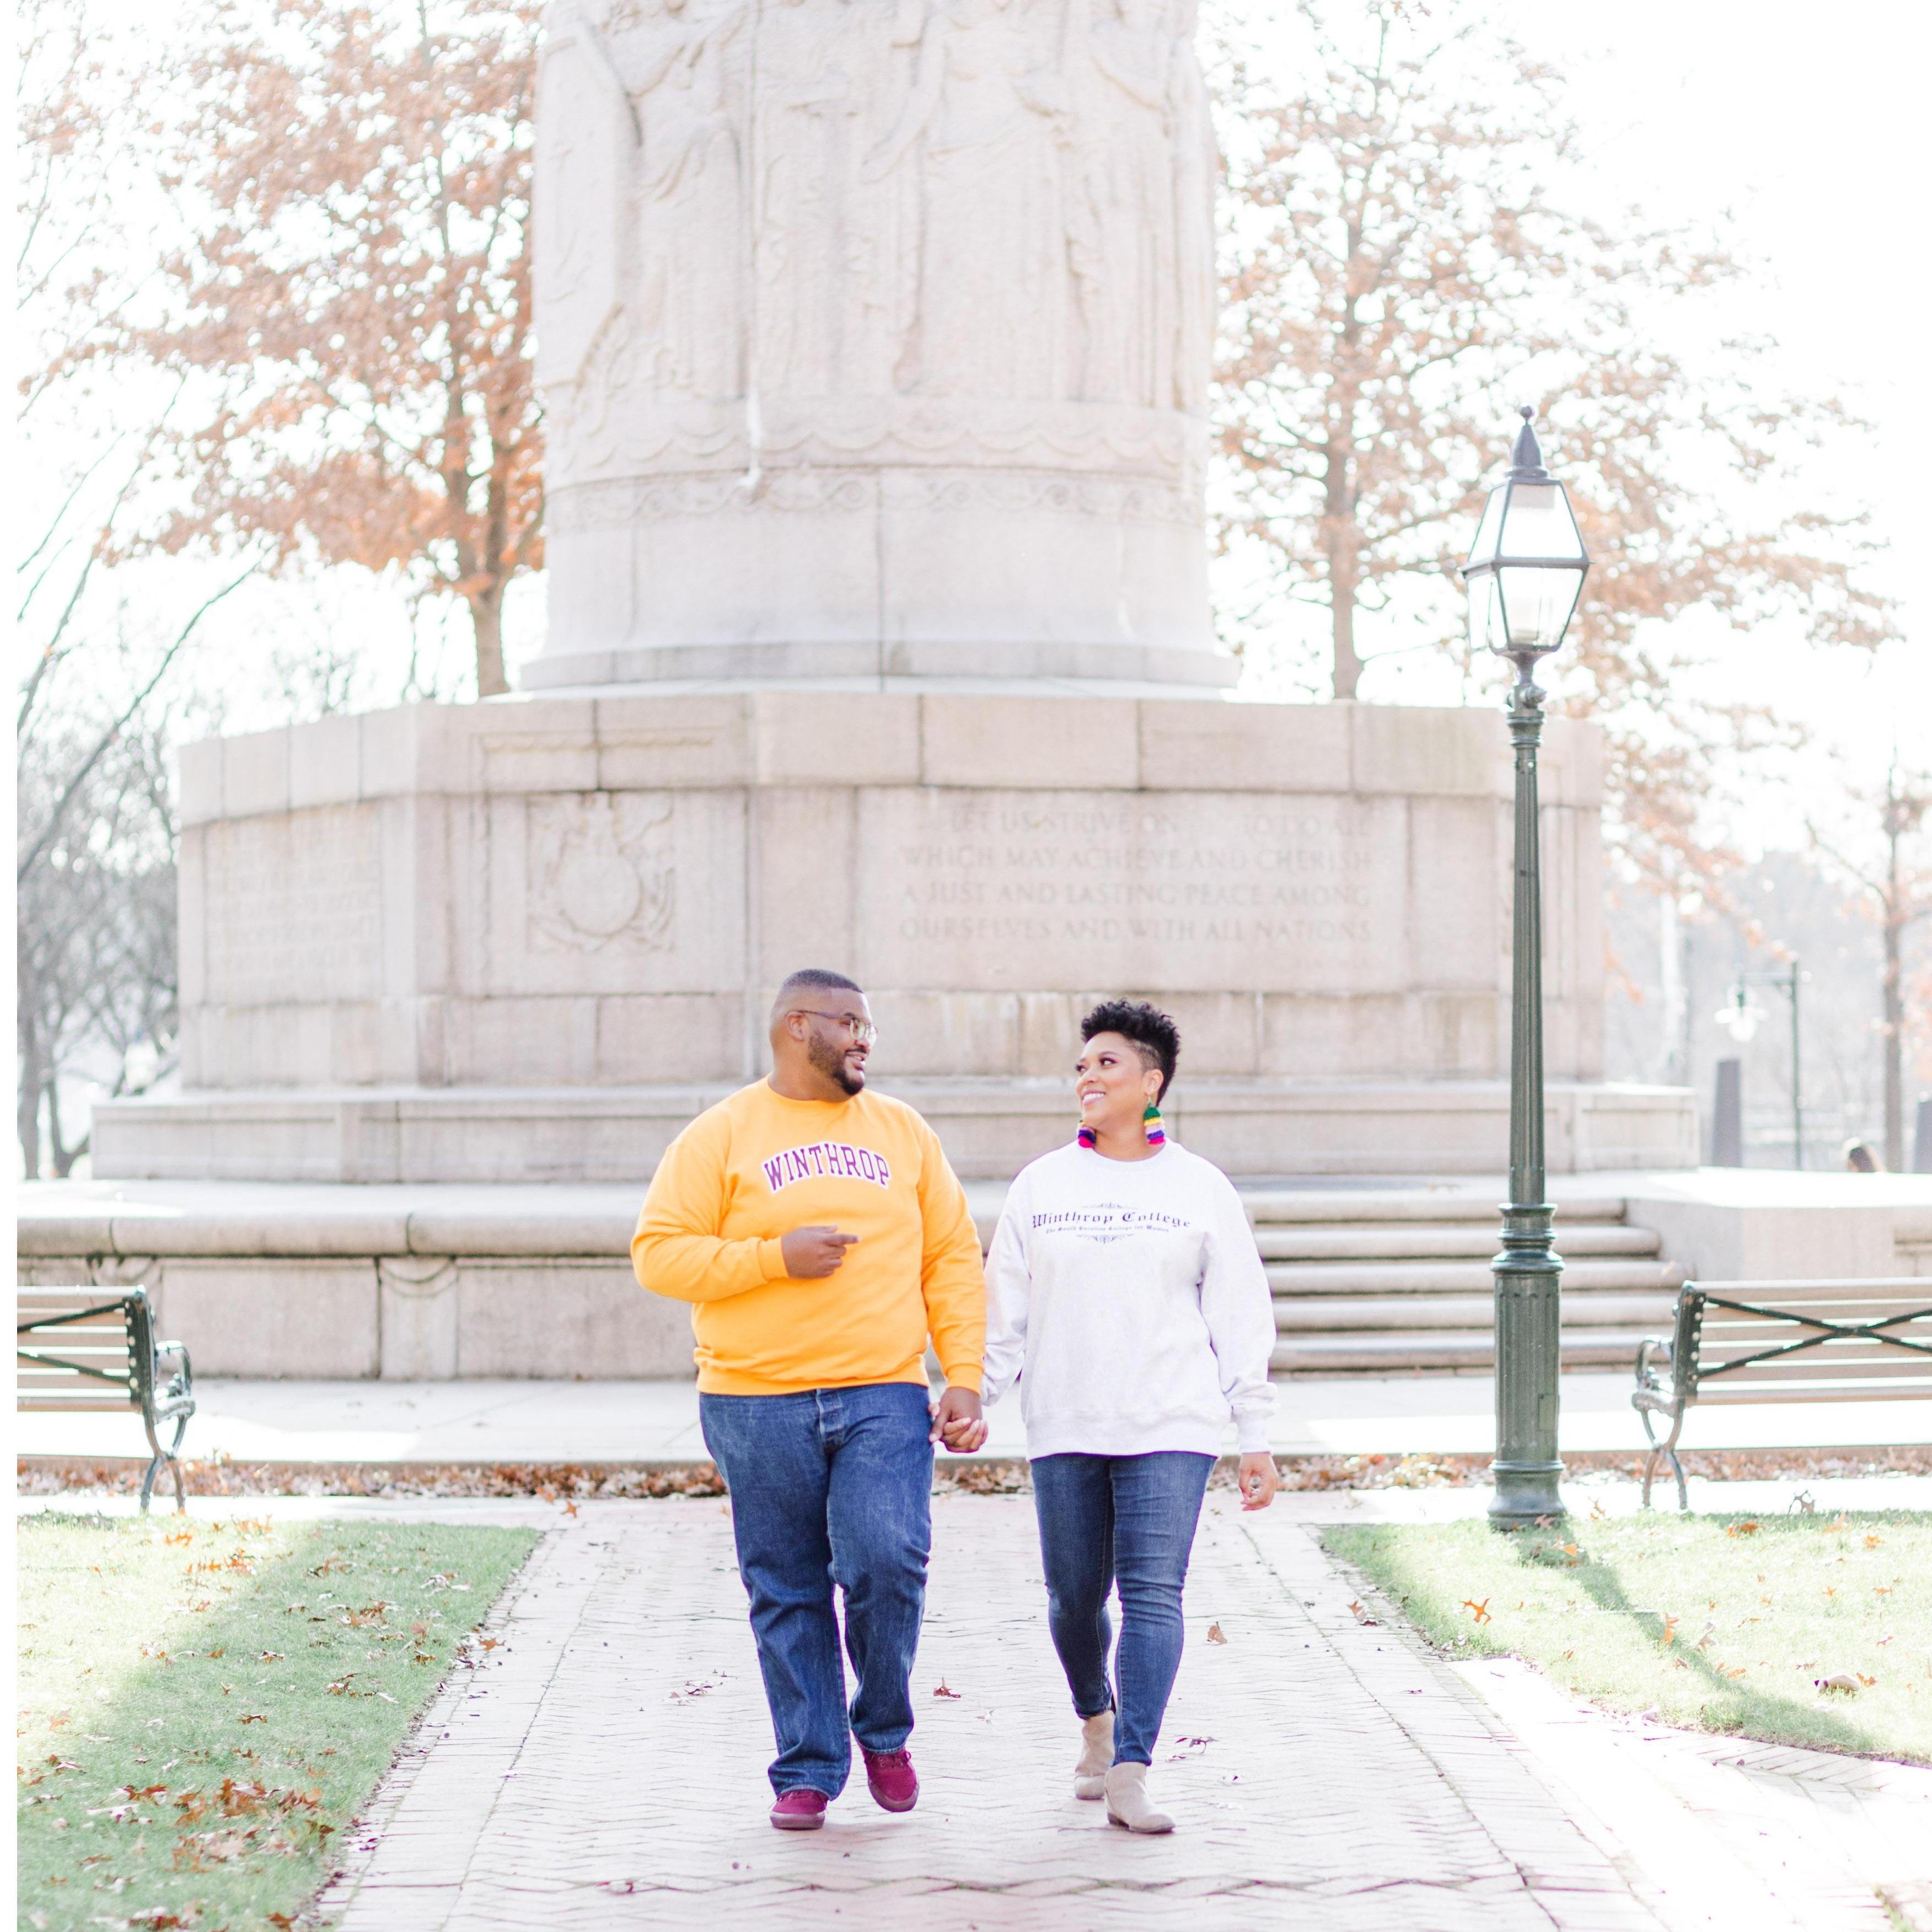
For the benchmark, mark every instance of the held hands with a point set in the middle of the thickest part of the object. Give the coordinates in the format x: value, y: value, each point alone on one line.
x: 956, y: 1421
x: 1258, y: 1479
x: 812, y: 1253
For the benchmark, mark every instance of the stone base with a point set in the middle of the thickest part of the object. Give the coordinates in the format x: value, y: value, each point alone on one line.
x: 529, y: 939
x: 778, y: 664
x: 991, y: 1128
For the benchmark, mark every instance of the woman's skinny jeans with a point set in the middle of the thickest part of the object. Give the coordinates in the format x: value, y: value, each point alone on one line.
x: 1126, y: 1521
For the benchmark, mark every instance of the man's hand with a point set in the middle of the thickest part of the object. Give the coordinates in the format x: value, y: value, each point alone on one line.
x: 956, y: 1421
x: 812, y: 1253
x: 1258, y: 1479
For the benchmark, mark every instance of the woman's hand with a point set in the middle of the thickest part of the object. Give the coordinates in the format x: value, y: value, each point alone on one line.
x: 957, y: 1422
x: 1257, y: 1479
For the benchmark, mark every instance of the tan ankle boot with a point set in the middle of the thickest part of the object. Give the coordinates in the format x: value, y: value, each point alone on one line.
x: 1128, y: 1803
x: 1096, y: 1753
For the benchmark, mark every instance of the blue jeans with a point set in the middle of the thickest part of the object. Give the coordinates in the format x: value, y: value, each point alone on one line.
x: 832, y: 1486
x: 1124, y: 1520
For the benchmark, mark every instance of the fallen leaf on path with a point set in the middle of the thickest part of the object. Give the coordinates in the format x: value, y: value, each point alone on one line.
x: 1216, y: 1634
x: 943, y: 1689
x: 1362, y: 1617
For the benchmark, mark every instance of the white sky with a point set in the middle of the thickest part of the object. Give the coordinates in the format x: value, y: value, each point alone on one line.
x: 1807, y: 123
x: 1804, y: 124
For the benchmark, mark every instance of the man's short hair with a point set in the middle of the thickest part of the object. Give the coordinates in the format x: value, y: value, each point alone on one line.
x: 809, y: 978
x: 1151, y: 1034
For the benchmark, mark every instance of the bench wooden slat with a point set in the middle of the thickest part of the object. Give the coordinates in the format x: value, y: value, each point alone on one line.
x: 1857, y: 1363
x: 1732, y: 1341
x: 1721, y: 1392
x: 1777, y: 1294
x: 1847, y: 1308
x: 77, y: 1404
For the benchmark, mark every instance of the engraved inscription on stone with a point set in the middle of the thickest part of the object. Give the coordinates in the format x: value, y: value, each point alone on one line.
x: 1089, y: 889
x: 601, y: 873
x: 295, y: 907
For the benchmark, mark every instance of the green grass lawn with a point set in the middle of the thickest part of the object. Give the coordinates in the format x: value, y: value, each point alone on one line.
x: 204, y: 1706
x: 1718, y: 1623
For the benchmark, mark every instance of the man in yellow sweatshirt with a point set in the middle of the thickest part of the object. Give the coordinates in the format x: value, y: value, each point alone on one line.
x: 821, y: 1237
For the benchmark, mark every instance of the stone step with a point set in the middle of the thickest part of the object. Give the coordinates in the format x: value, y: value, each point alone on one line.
x: 1421, y: 1278
x: 1436, y: 1242
x: 1314, y: 1315
x: 1398, y: 1351
x: 1287, y: 1208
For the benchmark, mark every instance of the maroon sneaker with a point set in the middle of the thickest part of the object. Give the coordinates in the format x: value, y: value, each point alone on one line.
x: 800, y: 1809
x: 891, y: 1779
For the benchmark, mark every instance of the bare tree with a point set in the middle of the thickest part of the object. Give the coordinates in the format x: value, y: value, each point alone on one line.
x: 1399, y: 278
x: 95, y: 938
x: 95, y: 863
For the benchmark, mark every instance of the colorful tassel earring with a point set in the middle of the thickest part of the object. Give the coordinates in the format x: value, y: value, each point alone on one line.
x: 1086, y: 1137
x: 1156, y: 1134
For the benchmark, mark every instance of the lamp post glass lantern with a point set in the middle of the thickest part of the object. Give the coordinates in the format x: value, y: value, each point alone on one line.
x: 1525, y: 573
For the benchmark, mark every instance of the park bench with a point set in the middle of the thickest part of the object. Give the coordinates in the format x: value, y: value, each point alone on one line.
x: 1783, y: 1341
x: 92, y: 1348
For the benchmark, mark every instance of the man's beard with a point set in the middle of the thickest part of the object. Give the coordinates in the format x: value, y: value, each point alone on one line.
x: 830, y: 1061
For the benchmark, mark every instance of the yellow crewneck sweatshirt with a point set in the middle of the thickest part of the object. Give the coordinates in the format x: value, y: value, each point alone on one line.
x: 746, y: 1173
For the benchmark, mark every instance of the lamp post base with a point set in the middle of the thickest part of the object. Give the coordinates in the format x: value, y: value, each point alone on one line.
x: 1527, y: 1493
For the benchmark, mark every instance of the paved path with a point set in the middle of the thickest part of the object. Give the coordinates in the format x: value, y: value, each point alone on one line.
x: 609, y: 1773
x: 605, y: 1770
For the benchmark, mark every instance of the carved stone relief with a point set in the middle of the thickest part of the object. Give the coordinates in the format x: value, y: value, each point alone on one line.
x: 840, y: 243
x: 601, y: 873
x: 840, y: 199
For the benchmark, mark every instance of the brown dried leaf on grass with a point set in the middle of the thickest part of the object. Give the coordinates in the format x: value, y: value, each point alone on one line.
x: 1480, y: 1612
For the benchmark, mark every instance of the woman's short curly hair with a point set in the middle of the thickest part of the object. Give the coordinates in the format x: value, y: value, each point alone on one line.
x: 1153, y: 1035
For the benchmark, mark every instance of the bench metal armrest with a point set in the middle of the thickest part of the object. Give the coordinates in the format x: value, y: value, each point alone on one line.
x: 1664, y: 1395
x: 174, y: 1390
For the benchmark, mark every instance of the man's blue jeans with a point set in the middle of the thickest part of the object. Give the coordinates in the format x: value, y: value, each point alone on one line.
x: 834, y: 1486
x: 1127, y: 1520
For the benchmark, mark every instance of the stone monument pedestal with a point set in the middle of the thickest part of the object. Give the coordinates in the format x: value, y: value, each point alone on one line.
x: 525, y: 940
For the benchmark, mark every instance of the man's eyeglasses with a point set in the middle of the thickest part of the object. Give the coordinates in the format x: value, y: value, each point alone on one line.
x: 862, y: 1030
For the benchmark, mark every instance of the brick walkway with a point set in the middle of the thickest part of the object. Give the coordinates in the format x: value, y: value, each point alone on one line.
x: 606, y: 1769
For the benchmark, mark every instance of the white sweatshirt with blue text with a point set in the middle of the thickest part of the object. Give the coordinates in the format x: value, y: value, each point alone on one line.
x: 1128, y: 1301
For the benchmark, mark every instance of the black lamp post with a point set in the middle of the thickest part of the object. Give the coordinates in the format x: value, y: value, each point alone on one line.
x: 1739, y: 1018
x: 1525, y: 573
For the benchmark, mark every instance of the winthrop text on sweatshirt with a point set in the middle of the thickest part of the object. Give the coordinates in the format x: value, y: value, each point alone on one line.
x: 746, y: 1172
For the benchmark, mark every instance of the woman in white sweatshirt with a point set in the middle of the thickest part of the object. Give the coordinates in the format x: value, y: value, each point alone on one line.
x: 1126, y: 1297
